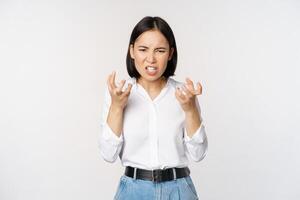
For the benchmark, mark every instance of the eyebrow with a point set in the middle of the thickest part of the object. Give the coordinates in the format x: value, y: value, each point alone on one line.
x: 155, y: 48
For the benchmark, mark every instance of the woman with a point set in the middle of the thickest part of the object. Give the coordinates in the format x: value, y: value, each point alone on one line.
x: 151, y: 121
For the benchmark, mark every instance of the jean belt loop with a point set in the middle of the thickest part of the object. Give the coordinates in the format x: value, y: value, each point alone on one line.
x: 134, y: 172
x: 174, y: 173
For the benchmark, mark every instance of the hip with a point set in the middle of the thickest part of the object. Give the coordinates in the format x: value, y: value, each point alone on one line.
x: 137, y: 189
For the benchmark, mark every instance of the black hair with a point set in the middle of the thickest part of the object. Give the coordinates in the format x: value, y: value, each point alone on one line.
x: 146, y: 24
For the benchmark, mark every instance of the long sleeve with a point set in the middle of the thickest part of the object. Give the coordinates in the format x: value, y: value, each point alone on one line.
x: 109, y: 144
x: 196, y: 146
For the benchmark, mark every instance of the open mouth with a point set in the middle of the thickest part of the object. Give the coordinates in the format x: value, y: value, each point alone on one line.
x: 151, y: 70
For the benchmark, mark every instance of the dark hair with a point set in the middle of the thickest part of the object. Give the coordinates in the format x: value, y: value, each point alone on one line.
x: 150, y: 23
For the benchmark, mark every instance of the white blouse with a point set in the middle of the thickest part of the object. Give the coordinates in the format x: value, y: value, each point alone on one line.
x: 154, y: 134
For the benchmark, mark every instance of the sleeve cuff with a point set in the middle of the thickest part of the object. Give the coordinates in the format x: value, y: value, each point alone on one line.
x: 110, y: 136
x: 198, y: 136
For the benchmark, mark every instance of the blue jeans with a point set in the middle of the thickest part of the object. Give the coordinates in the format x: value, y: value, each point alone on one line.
x: 136, y: 189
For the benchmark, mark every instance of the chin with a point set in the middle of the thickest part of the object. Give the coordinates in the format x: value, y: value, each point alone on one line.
x: 152, y: 78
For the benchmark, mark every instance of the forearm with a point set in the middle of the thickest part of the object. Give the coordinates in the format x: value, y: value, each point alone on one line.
x: 115, y: 119
x: 192, y: 121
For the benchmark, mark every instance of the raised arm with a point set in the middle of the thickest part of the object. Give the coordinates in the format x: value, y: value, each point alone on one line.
x: 195, y: 138
x: 110, y: 138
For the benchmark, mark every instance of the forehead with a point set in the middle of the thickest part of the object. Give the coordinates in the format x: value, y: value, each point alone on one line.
x: 152, y: 38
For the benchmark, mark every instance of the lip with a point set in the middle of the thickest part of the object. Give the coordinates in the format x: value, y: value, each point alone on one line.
x: 151, y: 73
x: 151, y: 66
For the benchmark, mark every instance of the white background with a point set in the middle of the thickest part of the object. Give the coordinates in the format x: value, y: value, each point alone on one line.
x: 55, y: 57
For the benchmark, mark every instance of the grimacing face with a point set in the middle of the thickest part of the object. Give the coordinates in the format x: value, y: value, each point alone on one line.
x: 151, y: 53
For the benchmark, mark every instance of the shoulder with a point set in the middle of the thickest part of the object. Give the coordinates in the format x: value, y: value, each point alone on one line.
x: 171, y: 81
x: 130, y: 80
x: 175, y: 83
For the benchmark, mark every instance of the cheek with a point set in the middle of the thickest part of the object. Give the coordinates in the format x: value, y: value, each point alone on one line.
x: 164, y: 56
x: 163, y: 59
x: 139, y: 56
x: 138, y: 61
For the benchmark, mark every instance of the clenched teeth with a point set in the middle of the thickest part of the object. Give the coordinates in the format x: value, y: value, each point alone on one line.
x: 151, y: 68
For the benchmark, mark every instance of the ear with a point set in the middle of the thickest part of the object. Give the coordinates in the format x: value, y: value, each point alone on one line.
x: 131, y: 51
x: 171, y: 53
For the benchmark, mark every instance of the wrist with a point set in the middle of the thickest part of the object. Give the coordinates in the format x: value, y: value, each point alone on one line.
x: 192, y: 112
x: 116, y: 108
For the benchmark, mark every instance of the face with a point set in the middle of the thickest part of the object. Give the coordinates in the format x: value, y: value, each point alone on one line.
x: 151, y: 53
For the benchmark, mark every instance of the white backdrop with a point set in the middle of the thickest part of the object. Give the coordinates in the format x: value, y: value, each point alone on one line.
x: 55, y: 57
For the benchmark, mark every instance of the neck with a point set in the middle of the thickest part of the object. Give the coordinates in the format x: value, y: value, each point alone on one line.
x: 152, y: 86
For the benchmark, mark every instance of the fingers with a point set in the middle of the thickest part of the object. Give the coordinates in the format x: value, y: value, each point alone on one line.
x: 128, y: 89
x: 119, y: 89
x: 179, y: 95
x: 110, y: 82
x: 199, y: 89
x: 187, y: 92
x: 190, y: 84
x: 112, y: 85
x: 190, y: 87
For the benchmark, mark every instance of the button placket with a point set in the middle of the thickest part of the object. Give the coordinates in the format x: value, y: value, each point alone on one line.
x: 151, y: 135
x: 155, y: 136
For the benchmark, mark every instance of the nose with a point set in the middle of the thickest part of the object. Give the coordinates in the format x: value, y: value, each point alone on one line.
x: 150, y: 57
